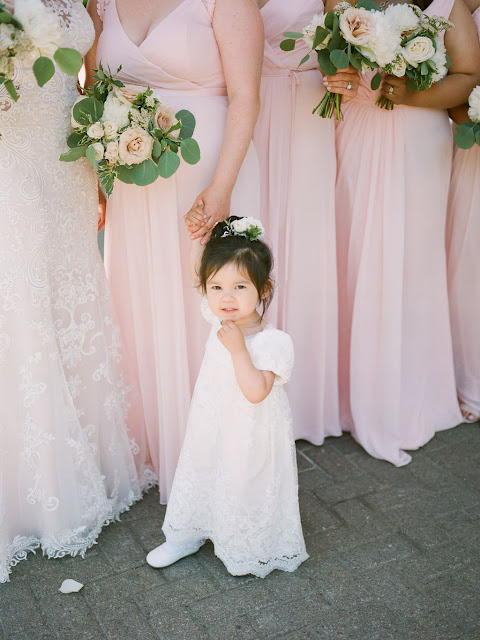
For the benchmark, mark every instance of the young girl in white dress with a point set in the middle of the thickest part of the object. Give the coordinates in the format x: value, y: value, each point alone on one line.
x: 236, y: 481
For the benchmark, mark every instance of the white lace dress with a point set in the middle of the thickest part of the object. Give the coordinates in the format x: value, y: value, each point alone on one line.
x: 67, y: 464
x: 236, y: 481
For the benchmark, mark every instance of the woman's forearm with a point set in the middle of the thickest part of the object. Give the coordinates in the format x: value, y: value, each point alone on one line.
x: 241, y: 119
x: 453, y: 91
x: 459, y: 114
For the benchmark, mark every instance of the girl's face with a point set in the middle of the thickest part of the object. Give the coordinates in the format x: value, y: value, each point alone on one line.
x: 232, y: 295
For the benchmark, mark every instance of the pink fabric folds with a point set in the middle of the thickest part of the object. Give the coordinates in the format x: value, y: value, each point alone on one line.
x: 463, y: 232
x: 146, y: 246
x: 396, y: 367
x: 297, y: 162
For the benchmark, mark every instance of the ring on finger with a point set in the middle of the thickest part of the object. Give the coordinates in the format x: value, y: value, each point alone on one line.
x: 390, y: 91
x: 349, y: 85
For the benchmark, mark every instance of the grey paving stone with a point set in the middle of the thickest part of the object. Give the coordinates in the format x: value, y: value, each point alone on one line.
x: 431, y: 474
x: 455, y: 456
x: 69, y: 617
x: 462, y: 528
x: 418, y: 526
x: 18, y: 608
x: 467, y: 434
x: 125, y: 622
x: 452, y: 499
x: 176, y: 593
x: 345, y: 590
x: 38, y: 632
x: 382, y: 471
x: 341, y: 539
x: 148, y: 507
x: 286, y: 586
x: 122, y: 586
x: 214, y: 567
x: 315, y: 515
x: 462, y: 603
x: 175, y: 623
x: 346, y: 445
x: 303, y: 445
x: 333, y: 463
x: 435, y: 562
x: 313, y: 479
x: 361, y: 518
x: 299, y: 634
x: 147, y: 532
x: 120, y: 548
x: 407, y: 493
x: 374, y: 554
x: 303, y: 462
x: 238, y: 629
x: 234, y: 603
x: 280, y: 619
x: 352, y: 488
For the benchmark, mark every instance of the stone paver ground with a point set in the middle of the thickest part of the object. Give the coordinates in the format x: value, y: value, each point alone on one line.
x: 394, y: 555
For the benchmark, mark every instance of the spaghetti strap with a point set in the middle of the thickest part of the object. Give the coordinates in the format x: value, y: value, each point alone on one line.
x: 441, y: 8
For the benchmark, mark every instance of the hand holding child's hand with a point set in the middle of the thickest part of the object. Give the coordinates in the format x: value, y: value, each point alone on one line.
x: 231, y: 337
x: 195, y: 219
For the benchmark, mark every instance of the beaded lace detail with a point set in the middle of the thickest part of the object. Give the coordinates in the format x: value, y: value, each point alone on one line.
x: 210, y: 6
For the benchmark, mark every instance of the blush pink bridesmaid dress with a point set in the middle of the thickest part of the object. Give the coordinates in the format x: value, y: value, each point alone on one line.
x: 397, y: 382
x: 463, y: 233
x: 146, y: 246
x: 296, y: 151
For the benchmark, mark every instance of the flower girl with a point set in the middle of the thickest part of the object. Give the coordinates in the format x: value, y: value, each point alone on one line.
x: 236, y: 481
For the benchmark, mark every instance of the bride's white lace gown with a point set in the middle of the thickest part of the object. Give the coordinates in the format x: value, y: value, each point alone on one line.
x: 67, y: 464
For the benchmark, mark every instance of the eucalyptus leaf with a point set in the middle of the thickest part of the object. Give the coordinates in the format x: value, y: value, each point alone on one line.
x: 90, y: 154
x: 74, y: 154
x: 477, y: 134
x: 12, y: 92
x: 303, y: 60
x: 168, y: 164
x: 464, y: 137
x: 329, y: 20
x: 295, y: 35
x: 287, y: 45
x: 69, y: 60
x: 87, y: 111
x: 157, y: 149
x: 123, y: 174
x: 339, y: 58
x: 320, y: 35
x: 174, y: 145
x: 376, y: 81
x: 188, y: 123
x: 328, y: 69
x: 44, y: 70
x: 74, y: 139
x: 424, y: 69
x: 369, y: 5
x: 190, y: 151
x: 144, y: 173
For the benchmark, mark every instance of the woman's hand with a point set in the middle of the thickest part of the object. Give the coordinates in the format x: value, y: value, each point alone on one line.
x: 344, y: 82
x: 102, y: 209
x: 396, y: 90
x: 215, y: 203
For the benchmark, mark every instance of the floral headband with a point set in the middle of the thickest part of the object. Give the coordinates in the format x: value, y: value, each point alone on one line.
x: 246, y: 227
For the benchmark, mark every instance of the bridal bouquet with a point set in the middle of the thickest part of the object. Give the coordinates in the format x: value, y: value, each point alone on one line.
x: 32, y: 37
x: 362, y: 36
x: 128, y: 134
x: 422, y: 55
x: 468, y: 133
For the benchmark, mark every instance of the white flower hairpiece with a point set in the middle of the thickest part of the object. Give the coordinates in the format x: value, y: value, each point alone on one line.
x: 247, y: 227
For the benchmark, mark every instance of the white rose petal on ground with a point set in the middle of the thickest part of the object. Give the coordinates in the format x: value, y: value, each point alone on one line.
x: 71, y: 586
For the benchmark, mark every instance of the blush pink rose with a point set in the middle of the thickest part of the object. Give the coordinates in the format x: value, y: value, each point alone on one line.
x: 357, y: 26
x: 135, y: 145
x: 165, y: 118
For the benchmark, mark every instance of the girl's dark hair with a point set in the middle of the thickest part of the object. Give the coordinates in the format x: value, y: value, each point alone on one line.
x: 253, y: 257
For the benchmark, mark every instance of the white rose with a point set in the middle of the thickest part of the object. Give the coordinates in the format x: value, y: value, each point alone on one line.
x: 474, y: 105
x: 110, y: 129
x: 383, y: 47
x: 164, y: 118
x: 115, y: 111
x: 135, y: 145
x: 440, y: 61
x: 73, y: 122
x: 111, y: 152
x: 95, y: 131
x: 418, y: 50
x: 41, y: 25
x: 128, y: 94
x: 398, y: 67
x: 99, y: 151
x: 404, y: 17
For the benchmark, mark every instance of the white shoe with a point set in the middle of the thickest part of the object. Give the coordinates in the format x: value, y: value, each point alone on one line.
x: 166, y: 554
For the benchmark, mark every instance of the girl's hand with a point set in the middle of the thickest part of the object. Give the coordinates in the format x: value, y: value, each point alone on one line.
x: 231, y: 337
x: 343, y: 79
x: 396, y: 90
x: 102, y: 209
x: 215, y: 202
x: 195, y: 219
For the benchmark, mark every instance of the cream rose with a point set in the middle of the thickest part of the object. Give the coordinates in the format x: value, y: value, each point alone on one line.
x: 165, y: 118
x: 99, y: 151
x: 135, y: 145
x: 111, y: 130
x: 310, y: 31
x: 111, y: 152
x: 398, y: 67
x: 357, y: 26
x: 128, y: 94
x: 418, y: 50
x: 474, y: 105
x: 95, y: 131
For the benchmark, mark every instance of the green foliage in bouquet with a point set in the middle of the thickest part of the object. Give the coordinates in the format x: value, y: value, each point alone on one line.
x: 163, y: 160
x: 467, y: 135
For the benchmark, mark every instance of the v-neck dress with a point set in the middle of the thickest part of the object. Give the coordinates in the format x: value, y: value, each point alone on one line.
x: 146, y: 245
x: 296, y: 150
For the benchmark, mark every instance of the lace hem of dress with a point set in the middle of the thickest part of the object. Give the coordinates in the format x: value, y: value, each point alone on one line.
x: 209, y: 6
x: 66, y: 542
